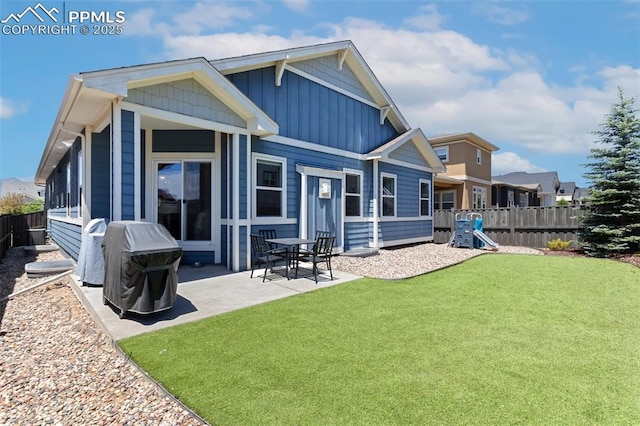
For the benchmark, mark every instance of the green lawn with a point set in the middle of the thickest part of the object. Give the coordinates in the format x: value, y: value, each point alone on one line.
x: 499, y: 339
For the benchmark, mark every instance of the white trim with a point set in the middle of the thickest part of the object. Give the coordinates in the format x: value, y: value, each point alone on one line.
x: 86, y: 175
x: 273, y: 221
x: 360, y: 175
x: 383, y: 113
x: 116, y: 164
x: 70, y: 220
x: 376, y: 203
x: 255, y: 157
x: 405, y: 218
x: 342, y: 55
x: 404, y: 241
x: 314, y: 147
x: 395, y: 195
x: 280, y: 67
x: 318, y: 172
x: 174, y: 117
x: 430, y: 199
x: 333, y: 87
x: 228, y: 218
x: 217, y: 211
x: 236, y: 201
x: 137, y: 213
x: 471, y: 179
x: 148, y: 161
x: 248, y: 197
x: 302, y: 229
x: 407, y: 165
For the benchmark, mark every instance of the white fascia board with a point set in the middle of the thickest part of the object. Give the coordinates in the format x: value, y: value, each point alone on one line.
x: 71, y: 93
x: 421, y: 143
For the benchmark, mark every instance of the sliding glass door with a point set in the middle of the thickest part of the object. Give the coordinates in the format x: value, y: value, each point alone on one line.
x: 184, y: 202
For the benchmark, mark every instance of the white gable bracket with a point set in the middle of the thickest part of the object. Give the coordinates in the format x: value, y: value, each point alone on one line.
x: 280, y: 66
x: 342, y: 55
x: 384, y: 111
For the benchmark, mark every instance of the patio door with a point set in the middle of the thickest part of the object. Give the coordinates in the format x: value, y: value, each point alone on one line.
x: 324, y: 207
x: 185, y: 199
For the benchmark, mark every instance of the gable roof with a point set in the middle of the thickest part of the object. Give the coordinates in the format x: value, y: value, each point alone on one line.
x: 345, y: 51
x: 89, y: 96
x: 469, y: 137
x: 421, y: 143
x: 567, y: 188
x: 548, y: 180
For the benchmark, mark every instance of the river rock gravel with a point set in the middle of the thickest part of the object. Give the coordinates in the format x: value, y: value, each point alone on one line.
x: 57, y: 366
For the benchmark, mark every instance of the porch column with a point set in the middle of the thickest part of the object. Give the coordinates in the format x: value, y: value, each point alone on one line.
x: 236, y: 203
x: 116, y: 161
x: 86, y: 176
x: 376, y: 194
x: 137, y: 176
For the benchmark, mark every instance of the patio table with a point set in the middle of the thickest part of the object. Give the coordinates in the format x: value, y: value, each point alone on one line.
x: 292, y: 245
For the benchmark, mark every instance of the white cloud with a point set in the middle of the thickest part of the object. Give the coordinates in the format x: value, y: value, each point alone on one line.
x: 9, y: 108
x: 507, y: 162
x: 297, y: 5
x: 441, y: 80
x: 500, y: 15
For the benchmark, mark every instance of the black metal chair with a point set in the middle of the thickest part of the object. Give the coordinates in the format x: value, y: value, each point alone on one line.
x: 321, y: 253
x: 270, y: 234
x: 262, y: 253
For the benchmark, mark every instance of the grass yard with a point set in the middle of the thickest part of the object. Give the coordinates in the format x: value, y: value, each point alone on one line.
x: 499, y: 339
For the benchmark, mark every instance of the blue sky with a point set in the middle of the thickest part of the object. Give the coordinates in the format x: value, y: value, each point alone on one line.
x: 534, y: 78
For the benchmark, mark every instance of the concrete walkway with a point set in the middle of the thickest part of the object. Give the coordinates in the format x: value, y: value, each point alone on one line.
x: 202, y: 292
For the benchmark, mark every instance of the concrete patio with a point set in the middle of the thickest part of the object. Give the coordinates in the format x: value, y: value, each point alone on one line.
x: 202, y: 292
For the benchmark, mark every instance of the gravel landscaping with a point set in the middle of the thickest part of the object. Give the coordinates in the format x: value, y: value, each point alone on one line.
x: 57, y: 366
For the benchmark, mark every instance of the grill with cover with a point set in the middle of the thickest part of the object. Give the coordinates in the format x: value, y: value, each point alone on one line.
x: 141, y: 267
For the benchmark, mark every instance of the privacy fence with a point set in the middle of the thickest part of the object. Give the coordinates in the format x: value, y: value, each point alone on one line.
x: 528, y: 226
x: 22, y: 230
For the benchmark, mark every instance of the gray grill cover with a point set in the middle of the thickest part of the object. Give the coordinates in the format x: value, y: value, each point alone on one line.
x: 90, y: 267
x: 141, y: 267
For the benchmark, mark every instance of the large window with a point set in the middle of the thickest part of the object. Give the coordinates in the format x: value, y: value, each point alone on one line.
x: 479, y: 197
x: 67, y: 202
x: 425, y: 198
x: 444, y: 200
x: 269, y: 179
x: 443, y: 153
x: 353, y: 194
x: 479, y: 156
x: 388, y: 195
x: 79, y: 183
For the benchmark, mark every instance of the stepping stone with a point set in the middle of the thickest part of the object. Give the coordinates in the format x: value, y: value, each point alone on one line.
x: 41, y: 248
x: 43, y: 269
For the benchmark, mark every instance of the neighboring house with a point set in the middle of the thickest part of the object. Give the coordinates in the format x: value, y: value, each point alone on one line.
x: 28, y: 189
x: 581, y: 196
x: 299, y: 140
x: 548, y: 181
x: 566, y: 192
x: 513, y: 195
x: 466, y: 184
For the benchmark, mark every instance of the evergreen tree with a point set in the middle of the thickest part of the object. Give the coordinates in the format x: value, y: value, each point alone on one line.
x: 612, y: 224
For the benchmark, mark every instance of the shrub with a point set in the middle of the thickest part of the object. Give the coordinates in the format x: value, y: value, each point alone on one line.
x: 11, y: 204
x: 558, y: 244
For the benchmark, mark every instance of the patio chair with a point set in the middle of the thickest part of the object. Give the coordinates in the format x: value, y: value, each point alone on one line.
x: 321, y: 253
x: 262, y: 253
x: 270, y: 234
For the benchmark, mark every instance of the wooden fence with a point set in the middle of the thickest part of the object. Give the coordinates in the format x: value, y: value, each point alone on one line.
x: 22, y: 230
x: 528, y: 226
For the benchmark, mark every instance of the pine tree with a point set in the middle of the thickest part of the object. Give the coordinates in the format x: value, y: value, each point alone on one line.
x: 612, y: 223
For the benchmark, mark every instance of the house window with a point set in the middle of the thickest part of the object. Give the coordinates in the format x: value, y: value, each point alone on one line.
x: 443, y: 153
x: 388, y: 195
x: 445, y: 200
x: 425, y: 198
x: 353, y: 194
x: 269, y: 187
x: 479, y: 156
x: 510, y: 198
x: 479, y: 197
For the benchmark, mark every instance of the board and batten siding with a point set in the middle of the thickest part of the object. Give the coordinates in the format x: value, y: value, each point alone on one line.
x: 308, y: 111
x: 186, y: 97
x: 407, y: 187
x: 128, y: 165
x: 100, y: 174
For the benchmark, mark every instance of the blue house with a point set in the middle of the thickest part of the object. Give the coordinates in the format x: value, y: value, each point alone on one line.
x: 297, y: 140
